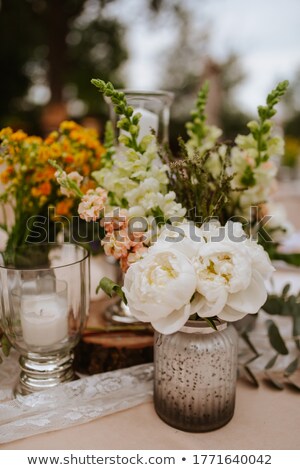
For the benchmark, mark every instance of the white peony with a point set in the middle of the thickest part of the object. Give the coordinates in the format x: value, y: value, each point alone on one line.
x: 159, y: 288
x: 231, y: 275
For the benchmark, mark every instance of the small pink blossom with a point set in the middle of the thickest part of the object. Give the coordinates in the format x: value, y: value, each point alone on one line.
x: 92, y: 204
x: 115, y: 220
x: 117, y: 244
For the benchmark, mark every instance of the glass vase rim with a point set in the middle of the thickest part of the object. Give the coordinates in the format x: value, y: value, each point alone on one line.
x: 202, y: 327
x: 146, y: 93
x: 85, y: 256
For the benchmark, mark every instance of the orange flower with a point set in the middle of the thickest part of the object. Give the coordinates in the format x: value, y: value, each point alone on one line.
x: 43, y: 189
x: 51, y: 138
x: 64, y: 207
x: 69, y: 159
x: 6, y: 174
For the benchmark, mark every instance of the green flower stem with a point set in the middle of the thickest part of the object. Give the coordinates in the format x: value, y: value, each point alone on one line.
x: 70, y: 184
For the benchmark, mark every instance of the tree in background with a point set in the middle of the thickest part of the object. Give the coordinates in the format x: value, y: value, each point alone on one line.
x: 48, y: 51
x: 188, y: 64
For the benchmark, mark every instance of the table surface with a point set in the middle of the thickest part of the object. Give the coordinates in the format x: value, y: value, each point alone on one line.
x: 264, y: 419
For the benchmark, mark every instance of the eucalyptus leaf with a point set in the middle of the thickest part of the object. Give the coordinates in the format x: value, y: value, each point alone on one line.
x: 247, y: 340
x: 290, y: 258
x: 250, y: 375
x: 296, y: 330
x: 271, y: 362
x: 292, y: 367
x: 276, y: 339
x: 286, y: 289
x: 111, y: 288
x: 273, y: 305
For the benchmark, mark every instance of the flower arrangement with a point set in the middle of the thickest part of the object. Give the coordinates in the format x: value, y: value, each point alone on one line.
x: 28, y: 179
x: 156, y: 211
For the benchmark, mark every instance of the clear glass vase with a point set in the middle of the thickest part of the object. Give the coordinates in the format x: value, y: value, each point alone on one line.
x: 195, y: 376
x: 154, y: 107
x: 44, y: 293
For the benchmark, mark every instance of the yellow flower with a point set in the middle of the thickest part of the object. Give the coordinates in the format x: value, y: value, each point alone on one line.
x: 68, y: 126
x: 18, y: 136
x: 5, y: 132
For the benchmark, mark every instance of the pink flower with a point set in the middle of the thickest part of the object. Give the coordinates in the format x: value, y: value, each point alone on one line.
x: 117, y: 244
x: 115, y: 220
x: 92, y: 204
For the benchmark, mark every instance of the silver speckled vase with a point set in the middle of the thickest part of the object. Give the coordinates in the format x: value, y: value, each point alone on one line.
x: 195, y: 376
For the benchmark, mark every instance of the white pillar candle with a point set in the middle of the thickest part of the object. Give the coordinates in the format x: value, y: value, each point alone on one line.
x: 44, y: 319
x: 147, y: 122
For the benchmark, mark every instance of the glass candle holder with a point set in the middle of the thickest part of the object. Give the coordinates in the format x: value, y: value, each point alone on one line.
x: 154, y: 107
x: 44, y: 294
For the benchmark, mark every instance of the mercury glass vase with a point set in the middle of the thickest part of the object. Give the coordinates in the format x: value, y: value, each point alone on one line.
x: 195, y: 376
x: 44, y: 294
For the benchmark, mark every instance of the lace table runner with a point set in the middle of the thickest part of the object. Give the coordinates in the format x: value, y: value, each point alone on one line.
x: 73, y: 403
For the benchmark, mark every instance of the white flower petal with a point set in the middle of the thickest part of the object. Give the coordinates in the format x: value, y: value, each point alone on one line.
x: 251, y: 299
x: 229, y: 314
x: 174, y: 321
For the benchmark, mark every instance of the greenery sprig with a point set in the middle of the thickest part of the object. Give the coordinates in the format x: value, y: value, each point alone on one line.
x: 260, y: 130
x: 286, y: 305
x: 5, y: 345
x: 129, y: 121
x: 197, y: 188
x: 197, y: 128
x: 109, y: 138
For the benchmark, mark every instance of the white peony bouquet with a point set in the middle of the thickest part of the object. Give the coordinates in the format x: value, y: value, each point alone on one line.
x: 211, y: 272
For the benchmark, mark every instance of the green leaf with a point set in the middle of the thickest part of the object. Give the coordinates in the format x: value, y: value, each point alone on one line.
x: 250, y: 375
x: 271, y: 362
x: 273, y: 305
x: 6, y: 345
x: 285, y: 290
x: 211, y: 323
x: 275, y: 338
x: 111, y: 288
x: 296, y: 329
x: 247, y: 340
x: 290, y: 258
x: 292, y: 367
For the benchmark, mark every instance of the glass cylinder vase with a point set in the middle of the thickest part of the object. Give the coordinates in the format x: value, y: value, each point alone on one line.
x: 195, y: 376
x: 44, y: 293
x: 154, y: 107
